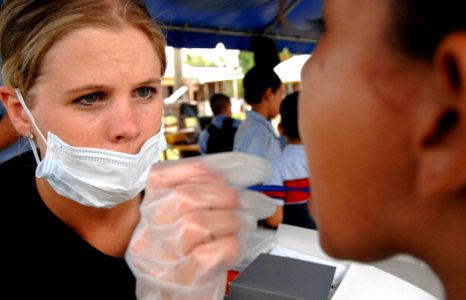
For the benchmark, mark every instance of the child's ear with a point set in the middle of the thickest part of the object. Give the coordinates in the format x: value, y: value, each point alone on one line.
x: 442, y: 142
x: 15, y: 110
x: 268, y: 94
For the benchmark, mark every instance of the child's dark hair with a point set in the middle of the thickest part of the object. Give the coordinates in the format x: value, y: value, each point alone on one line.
x: 289, y: 115
x: 419, y: 25
x: 218, y: 102
x: 257, y: 80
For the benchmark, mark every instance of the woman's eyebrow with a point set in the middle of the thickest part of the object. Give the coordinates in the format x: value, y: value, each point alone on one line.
x: 85, y: 88
x: 94, y: 87
x: 151, y: 81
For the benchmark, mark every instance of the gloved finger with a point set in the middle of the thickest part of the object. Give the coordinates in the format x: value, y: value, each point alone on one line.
x: 166, y: 206
x: 257, y: 204
x: 213, y: 258
x: 238, y: 169
x: 176, y: 240
x: 197, y: 269
x: 197, y: 223
x: 172, y: 173
x: 190, y: 197
x: 202, y: 228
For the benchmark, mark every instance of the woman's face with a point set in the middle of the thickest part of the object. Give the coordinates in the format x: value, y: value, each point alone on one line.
x: 99, y: 88
x: 354, y: 118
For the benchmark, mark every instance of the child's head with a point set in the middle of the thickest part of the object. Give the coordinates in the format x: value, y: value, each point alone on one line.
x: 263, y: 87
x: 289, y: 116
x: 257, y: 81
x: 220, y: 104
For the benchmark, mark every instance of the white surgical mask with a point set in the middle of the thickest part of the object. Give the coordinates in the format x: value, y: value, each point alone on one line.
x: 92, y: 176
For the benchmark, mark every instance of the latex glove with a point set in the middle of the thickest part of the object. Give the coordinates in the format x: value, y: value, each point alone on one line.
x: 195, y: 220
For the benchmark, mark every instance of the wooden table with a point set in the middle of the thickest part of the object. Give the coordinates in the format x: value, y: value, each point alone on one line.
x: 179, y: 142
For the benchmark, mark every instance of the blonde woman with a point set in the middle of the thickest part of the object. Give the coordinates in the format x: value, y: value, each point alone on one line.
x: 83, y: 83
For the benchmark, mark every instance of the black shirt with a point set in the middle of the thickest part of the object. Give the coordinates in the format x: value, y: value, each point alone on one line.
x: 42, y: 258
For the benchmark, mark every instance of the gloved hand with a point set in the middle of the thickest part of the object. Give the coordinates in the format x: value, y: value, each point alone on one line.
x: 195, y: 219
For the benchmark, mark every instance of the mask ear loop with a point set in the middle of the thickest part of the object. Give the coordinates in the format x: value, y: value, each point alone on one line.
x: 33, y: 122
x: 30, y: 138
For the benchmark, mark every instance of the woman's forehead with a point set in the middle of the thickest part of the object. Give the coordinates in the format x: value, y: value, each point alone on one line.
x: 94, y: 50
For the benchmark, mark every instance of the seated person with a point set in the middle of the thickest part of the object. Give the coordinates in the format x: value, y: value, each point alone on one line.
x: 219, y: 135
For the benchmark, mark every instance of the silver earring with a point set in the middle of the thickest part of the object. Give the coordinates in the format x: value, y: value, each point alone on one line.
x: 30, y: 135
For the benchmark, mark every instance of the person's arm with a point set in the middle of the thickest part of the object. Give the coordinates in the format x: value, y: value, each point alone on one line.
x: 202, y: 142
x: 8, y: 134
x: 277, y: 218
x: 275, y: 182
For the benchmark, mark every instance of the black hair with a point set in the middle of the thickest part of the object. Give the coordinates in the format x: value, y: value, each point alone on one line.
x: 289, y: 115
x: 419, y: 25
x: 257, y: 80
x: 218, y: 102
x: 265, y: 51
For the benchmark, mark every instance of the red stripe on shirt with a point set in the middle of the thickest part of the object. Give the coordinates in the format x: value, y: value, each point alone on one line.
x: 297, y: 196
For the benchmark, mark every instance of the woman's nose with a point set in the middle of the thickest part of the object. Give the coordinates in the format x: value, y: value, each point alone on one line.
x: 123, y: 122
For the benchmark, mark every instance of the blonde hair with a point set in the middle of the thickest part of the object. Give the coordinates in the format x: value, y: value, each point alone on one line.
x: 28, y: 29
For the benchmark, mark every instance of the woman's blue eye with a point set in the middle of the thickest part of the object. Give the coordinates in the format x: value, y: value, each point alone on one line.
x: 145, y: 92
x: 89, y: 99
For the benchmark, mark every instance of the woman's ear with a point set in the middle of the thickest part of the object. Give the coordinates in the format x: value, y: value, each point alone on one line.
x: 15, y: 110
x: 442, y: 142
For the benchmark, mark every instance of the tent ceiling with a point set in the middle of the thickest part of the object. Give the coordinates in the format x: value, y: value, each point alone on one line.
x: 204, y: 23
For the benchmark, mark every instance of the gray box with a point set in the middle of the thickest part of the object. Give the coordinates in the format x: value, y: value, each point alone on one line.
x: 271, y: 277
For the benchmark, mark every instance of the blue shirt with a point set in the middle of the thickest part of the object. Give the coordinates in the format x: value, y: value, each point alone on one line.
x: 18, y: 147
x: 217, y: 121
x: 256, y: 135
